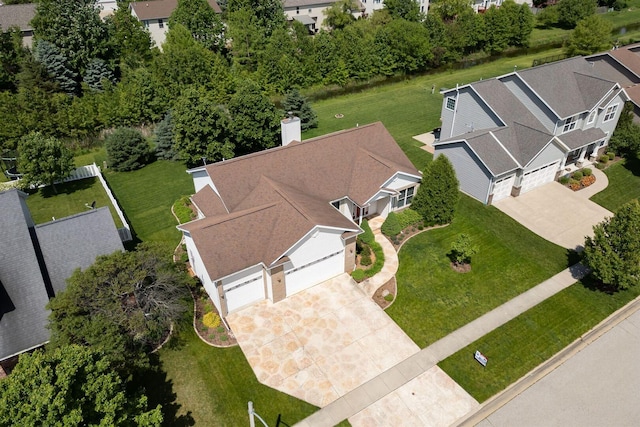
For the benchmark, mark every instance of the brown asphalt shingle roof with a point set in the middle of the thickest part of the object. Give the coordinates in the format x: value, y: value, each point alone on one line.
x: 209, y: 202
x: 275, y: 197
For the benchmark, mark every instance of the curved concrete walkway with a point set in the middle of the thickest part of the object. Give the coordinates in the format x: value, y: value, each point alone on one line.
x: 390, y: 259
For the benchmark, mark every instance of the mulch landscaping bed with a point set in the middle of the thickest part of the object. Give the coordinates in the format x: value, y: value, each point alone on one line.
x: 389, y: 287
x: 218, y: 336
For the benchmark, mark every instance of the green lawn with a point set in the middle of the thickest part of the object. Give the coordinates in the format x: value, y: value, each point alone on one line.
x: 146, y: 196
x: 531, y: 338
x: 213, y: 386
x: 624, y: 184
x: 71, y: 199
x: 407, y: 108
x: 434, y: 300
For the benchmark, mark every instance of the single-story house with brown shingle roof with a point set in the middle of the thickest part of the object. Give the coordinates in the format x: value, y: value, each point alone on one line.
x: 279, y: 221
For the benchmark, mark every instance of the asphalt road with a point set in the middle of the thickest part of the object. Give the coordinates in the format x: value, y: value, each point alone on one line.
x: 598, y: 386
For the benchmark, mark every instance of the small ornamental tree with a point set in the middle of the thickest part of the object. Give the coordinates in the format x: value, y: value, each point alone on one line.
x: 71, y: 386
x: 43, y: 160
x: 462, y: 249
x: 127, y: 149
x: 591, y: 35
x: 438, y: 195
x: 613, y: 253
x: 299, y: 106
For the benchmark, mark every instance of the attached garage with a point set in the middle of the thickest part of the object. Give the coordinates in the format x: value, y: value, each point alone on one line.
x: 538, y: 177
x: 502, y: 188
x: 244, y: 292
x: 300, y: 278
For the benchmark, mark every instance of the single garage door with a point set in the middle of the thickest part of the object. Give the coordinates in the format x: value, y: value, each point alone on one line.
x: 245, y: 293
x: 502, y: 188
x: 537, y: 177
x: 305, y: 276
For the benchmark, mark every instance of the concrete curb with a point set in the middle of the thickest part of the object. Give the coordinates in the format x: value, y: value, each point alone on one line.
x: 515, y: 389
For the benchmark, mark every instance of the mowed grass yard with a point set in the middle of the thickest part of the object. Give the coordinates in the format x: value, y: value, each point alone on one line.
x: 434, y: 300
x: 71, y: 199
x: 624, y: 184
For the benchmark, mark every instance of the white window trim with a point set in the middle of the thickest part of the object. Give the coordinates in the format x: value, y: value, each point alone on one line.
x: 569, y: 124
x: 610, y: 113
x: 592, y: 117
x: 453, y: 100
x: 405, y: 203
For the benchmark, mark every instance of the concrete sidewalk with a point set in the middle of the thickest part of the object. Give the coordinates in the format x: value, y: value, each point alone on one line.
x: 398, y: 376
x: 371, y: 285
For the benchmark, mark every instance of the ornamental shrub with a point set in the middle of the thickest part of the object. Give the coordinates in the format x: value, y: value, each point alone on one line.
x: 365, y: 259
x: 391, y: 226
x: 574, y: 185
x: 211, y: 320
x: 388, y: 297
x: 358, y: 275
x: 564, y: 180
x: 577, y: 175
x: 438, y: 194
x: 587, y: 172
x: 367, y: 237
x: 408, y: 217
x: 611, y: 155
x: 604, y: 159
x: 127, y: 149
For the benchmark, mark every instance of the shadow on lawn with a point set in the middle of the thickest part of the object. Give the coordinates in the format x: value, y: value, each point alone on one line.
x: 159, y: 389
x: 632, y: 164
x: 67, y: 187
x: 593, y: 284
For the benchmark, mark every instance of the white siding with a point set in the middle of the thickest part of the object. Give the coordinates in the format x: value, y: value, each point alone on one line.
x: 473, y: 176
x: 400, y: 181
x: 199, y: 269
x: 200, y: 179
x: 610, y: 125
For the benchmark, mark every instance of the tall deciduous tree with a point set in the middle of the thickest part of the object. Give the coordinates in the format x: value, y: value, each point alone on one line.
x: 127, y: 149
x: 300, y: 107
x: 201, y: 128
x: 405, y: 45
x: 75, y: 27
x: 11, y: 52
x: 255, y: 120
x: 43, y: 160
x: 123, y: 305
x: 202, y: 21
x: 438, y: 195
x: 71, y: 386
x: 626, y: 138
x: 591, y: 35
x: 132, y: 43
x: 613, y: 253
x: 570, y: 12
x: 404, y: 9
x: 340, y: 14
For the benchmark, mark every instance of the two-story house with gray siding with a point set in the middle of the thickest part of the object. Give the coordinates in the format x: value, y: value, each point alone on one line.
x: 510, y: 134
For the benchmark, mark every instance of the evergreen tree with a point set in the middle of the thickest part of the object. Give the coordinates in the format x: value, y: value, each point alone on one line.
x: 165, y: 141
x: 626, y: 138
x: 56, y: 65
x: 300, y: 107
x: 97, y: 73
x: 438, y: 195
x: 126, y: 149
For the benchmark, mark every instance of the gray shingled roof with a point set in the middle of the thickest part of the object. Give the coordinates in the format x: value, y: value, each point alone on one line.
x: 491, y: 153
x: 161, y: 9
x: 17, y: 15
x: 581, y: 138
x: 578, y: 90
x: 75, y: 242
x: 25, y: 326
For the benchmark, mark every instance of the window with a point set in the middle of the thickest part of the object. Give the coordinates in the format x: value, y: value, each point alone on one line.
x: 297, y: 10
x: 592, y: 117
x: 610, y: 113
x: 404, y: 197
x: 145, y: 23
x: 160, y: 23
x: 451, y: 104
x: 569, y: 124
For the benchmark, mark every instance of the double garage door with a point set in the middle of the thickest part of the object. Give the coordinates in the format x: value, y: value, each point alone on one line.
x: 537, y: 177
x: 310, y: 274
x: 249, y: 291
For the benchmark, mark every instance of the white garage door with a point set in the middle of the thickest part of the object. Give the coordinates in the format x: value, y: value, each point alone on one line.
x: 502, y: 188
x: 537, y: 177
x: 305, y: 276
x: 245, y: 293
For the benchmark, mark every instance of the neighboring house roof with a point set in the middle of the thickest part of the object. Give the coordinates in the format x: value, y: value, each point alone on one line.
x: 276, y: 197
x: 17, y: 15
x: 161, y: 9
x: 629, y: 56
x: 24, y: 327
x: 579, y: 89
x: 35, y: 262
x: 75, y: 241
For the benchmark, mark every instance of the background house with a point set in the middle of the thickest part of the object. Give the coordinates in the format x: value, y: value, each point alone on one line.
x: 19, y: 16
x: 279, y: 221
x: 36, y: 260
x: 155, y: 14
x: 508, y: 135
x: 311, y: 13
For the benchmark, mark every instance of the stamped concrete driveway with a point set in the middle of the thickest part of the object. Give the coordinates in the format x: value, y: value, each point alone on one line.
x: 556, y: 213
x: 321, y: 343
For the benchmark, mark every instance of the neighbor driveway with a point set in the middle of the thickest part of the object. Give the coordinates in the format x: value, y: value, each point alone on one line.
x: 557, y: 213
x: 321, y: 343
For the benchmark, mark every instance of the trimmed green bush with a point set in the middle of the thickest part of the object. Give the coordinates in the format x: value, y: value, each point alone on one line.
x: 564, y: 180
x: 388, y: 297
x: 587, y: 172
x: 127, y: 149
x: 408, y: 217
x: 367, y: 237
x: 358, y: 275
x: 577, y: 175
x: 377, y: 266
x: 600, y: 166
x: 365, y: 259
x: 391, y: 226
x: 604, y: 159
x: 611, y: 155
x: 365, y: 250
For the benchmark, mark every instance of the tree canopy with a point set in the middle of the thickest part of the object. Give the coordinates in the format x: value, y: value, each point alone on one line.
x: 613, y: 253
x: 71, y: 386
x: 591, y: 35
x: 438, y: 194
x: 626, y: 138
x: 43, y: 160
x: 300, y: 107
x: 570, y: 12
x: 123, y: 305
x: 202, y: 21
x: 127, y: 149
x: 404, y: 9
